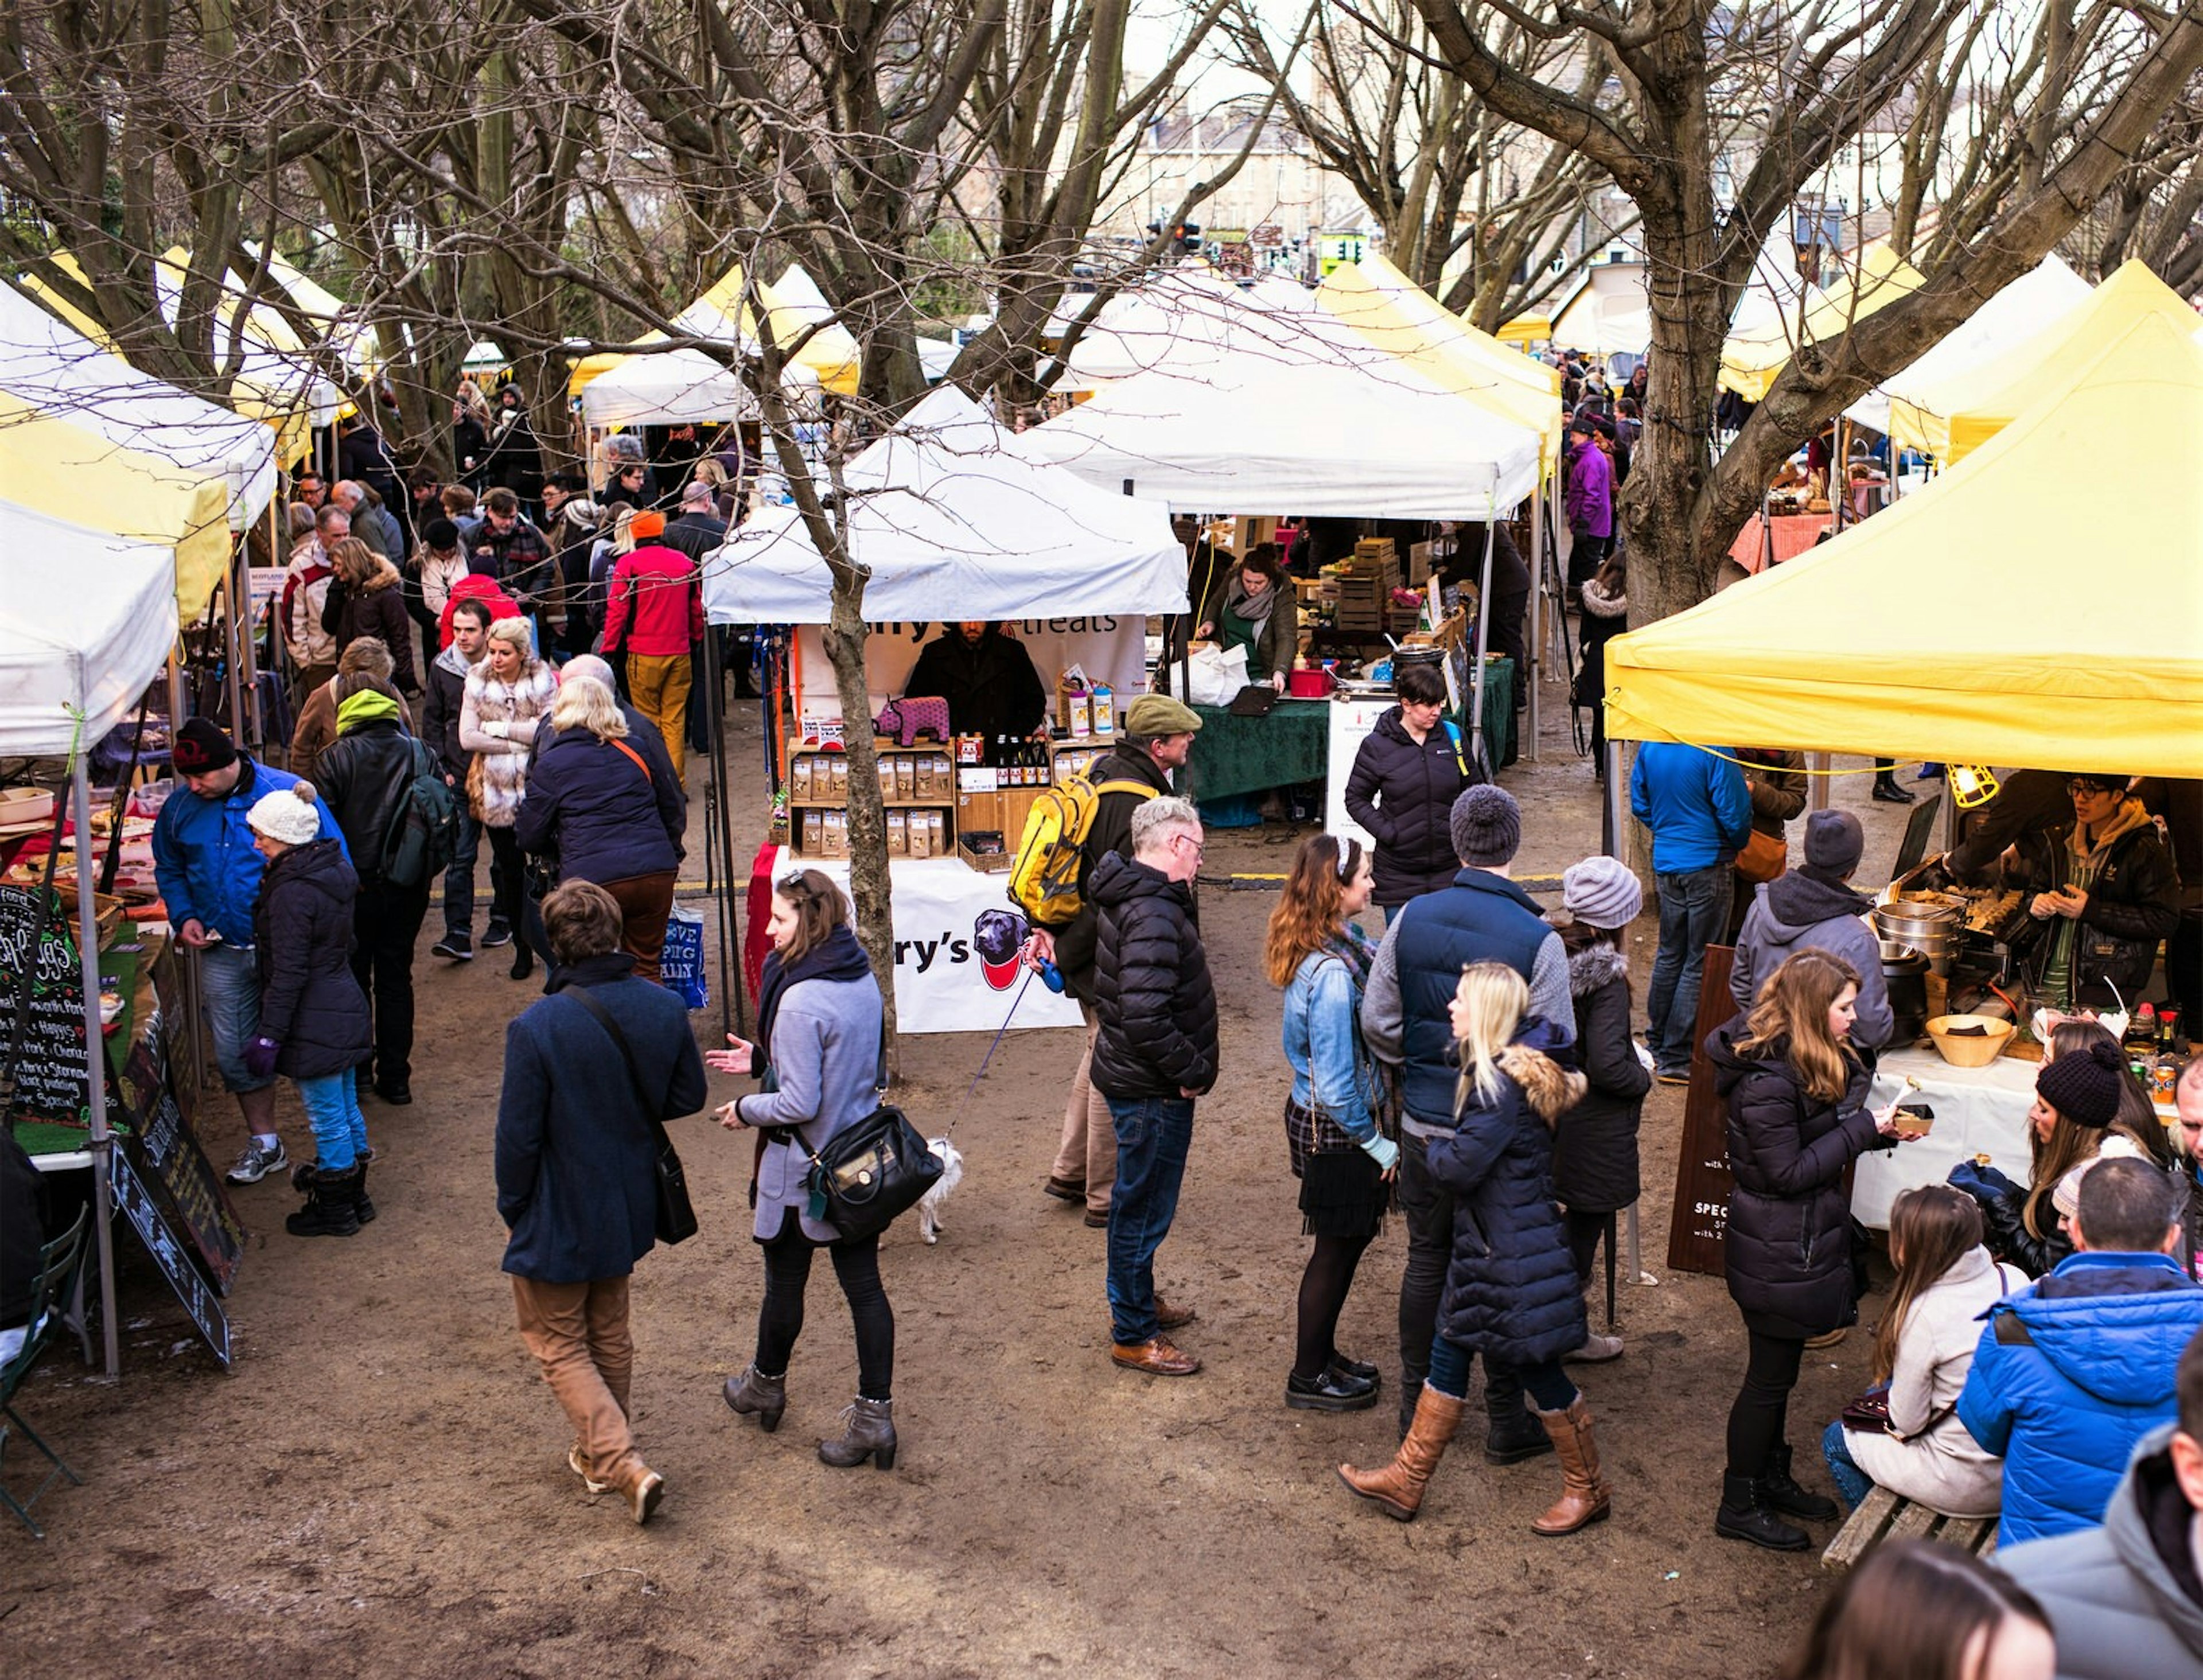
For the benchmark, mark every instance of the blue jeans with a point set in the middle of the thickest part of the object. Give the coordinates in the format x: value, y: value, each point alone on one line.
x: 331, y: 1104
x: 460, y: 877
x: 1547, y: 1384
x: 1154, y: 1134
x: 229, y: 988
x: 1693, y: 914
x: 1852, y: 1483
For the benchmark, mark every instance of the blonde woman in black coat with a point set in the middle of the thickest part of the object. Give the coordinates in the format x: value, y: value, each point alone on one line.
x: 1796, y: 1091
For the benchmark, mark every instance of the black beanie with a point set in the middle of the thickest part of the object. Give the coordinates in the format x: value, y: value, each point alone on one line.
x: 441, y: 534
x: 2083, y: 1085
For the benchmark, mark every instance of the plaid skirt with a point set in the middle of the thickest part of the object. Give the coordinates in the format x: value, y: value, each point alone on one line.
x: 1343, y: 1193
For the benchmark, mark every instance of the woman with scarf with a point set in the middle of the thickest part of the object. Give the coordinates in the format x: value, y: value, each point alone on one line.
x: 1253, y: 606
x: 2106, y: 886
x: 1338, y: 1148
x: 817, y: 1059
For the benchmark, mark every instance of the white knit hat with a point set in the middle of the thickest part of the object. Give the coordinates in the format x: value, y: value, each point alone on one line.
x: 289, y: 815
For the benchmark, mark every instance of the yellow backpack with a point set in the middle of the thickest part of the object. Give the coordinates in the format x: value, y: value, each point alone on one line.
x: 1044, y: 879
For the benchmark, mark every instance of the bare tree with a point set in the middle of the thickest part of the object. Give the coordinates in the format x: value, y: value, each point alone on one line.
x: 1810, y: 76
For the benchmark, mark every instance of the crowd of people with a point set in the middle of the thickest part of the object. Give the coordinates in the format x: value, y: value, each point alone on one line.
x: 1473, y: 1070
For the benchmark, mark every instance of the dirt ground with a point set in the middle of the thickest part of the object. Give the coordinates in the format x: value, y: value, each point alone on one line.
x: 378, y: 1488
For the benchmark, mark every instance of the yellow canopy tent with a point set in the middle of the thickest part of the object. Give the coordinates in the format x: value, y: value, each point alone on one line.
x: 61, y: 306
x: 74, y: 473
x: 723, y: 314
x: 1754, y: 357
x: 2042, y: 605
x: 1956, y: 416
x: 1526, y: 329
x: 1383, y: 307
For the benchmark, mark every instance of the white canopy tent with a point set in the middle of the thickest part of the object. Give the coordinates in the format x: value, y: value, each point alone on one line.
x: 952, y: 525
x: 74, y: 660
x: 676, y: 387
x: 58, y: 371
x: 1361, y: 437
x: 2025, y: 307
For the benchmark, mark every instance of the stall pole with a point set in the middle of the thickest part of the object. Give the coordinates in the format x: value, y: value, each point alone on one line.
x: 1534, y: 648
x: 176, y: 712
x: 1610, y: 804
x: 1836, y: 465
x: 1766, y: 532
x: 1483, y: 631
x: 232, y: 640
x: 727, y: 896
x: 1816, y: 777
x: 95, y: 1058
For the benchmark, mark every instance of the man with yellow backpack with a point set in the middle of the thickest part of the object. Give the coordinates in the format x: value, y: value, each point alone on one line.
x: 1051, y: 890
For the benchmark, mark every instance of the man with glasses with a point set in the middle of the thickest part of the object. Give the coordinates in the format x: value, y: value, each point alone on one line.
x: 2104, y: 885
x: 1155, y: 1052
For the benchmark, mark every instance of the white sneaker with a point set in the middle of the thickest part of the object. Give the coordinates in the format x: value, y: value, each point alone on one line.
x: 574, y: 1463
x: 258, y: 1160
x: 1597, y: 1350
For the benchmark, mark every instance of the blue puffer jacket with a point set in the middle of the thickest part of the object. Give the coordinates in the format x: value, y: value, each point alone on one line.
x: 203, y: 854
x: 1332, y: 1070
x: 1696, y: 804
x: 1511, y: 1290
x: 2070, y: 1373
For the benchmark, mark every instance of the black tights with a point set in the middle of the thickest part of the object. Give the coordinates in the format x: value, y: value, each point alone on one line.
x: 1585, y: 1231
x: 1757, y: 1421
x: 1324, y: 1284
x: 780, y: 1320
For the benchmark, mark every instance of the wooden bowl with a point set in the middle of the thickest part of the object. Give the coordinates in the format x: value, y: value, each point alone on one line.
x: 1966, y: 1050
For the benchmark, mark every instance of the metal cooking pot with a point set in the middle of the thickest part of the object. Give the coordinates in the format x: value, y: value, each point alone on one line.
x: 1905, y: 977
x: 1920, y: 925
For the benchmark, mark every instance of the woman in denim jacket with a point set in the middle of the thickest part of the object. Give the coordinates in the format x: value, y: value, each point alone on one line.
x: 1340, y: 1152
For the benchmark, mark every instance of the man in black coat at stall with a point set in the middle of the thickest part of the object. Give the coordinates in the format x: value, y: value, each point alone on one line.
x: 987, y: 679
x: 1155, y: 1053
x: 366, y: 775
x: 1158, y: 738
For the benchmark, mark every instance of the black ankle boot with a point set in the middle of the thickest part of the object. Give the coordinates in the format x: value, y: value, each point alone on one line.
x: 523, y: 960
x: 1887, y: 792
x: 1745, y: 1515
x: 1784, y: 1495
x: 362, y: 1209
x: 327, y: 1212
x: 1513, y: 1433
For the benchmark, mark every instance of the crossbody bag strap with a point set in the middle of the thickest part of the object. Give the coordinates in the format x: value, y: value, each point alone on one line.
x: 635, y: 759
x: 581, y: 994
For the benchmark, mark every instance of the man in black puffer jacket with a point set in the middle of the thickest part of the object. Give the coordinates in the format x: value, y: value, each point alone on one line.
x: 1155, y: 1052
x: 366, y: 775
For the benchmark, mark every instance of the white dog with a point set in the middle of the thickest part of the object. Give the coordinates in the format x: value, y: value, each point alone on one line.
x: 930, y: 1227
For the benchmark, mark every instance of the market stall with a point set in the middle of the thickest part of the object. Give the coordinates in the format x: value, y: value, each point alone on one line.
x: 951, y: 526
x: 1991, y: 618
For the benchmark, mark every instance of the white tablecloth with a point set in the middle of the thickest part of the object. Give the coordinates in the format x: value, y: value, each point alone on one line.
x: 1978, y: 1111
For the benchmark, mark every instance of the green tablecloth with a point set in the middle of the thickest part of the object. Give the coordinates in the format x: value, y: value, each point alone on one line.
x: 1236, y: 755
x: 1499, y: 745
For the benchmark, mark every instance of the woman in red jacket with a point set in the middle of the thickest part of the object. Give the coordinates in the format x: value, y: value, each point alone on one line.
x: 654, y: 614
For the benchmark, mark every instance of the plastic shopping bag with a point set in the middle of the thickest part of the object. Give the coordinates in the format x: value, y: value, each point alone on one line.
x: 681, y: 967
x: 1215, y: 675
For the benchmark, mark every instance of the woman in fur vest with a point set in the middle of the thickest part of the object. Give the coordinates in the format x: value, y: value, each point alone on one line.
x: 507, y: 695
x: 1595, y: 1145
x: 1511, y: 1292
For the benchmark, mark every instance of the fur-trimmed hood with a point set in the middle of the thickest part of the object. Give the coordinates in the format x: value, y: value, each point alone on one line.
x: 1550, y: 1089
x: 1595, y: 966
x: 1601, y: 604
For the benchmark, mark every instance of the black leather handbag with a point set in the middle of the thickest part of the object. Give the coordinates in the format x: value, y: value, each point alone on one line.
x: 869, y: 1173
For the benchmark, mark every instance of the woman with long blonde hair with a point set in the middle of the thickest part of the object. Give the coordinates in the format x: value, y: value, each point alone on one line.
x: 1924, y: 1349
x: 1796, y: 1092
x: 1334, y: 1114
x: 507, y: 696
x: 1511, y: 1289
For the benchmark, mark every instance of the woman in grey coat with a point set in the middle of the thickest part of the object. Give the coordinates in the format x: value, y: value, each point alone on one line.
x: 817, y: 1060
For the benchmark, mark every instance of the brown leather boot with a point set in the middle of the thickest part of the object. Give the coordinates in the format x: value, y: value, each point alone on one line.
x: 1584, y: 1497
x: 1397, y: 1488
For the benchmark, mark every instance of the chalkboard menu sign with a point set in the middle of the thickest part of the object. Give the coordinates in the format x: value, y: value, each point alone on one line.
x: 50, y: 1080
x: 167, y: 1153
x: 1700, y: 1223
x: 131, y: 1198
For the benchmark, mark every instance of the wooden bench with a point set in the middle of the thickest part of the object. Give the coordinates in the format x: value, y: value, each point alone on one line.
x: 1884, y: 1516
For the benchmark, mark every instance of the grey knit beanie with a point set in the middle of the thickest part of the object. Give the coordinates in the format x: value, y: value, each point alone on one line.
x: 1601, y: 892
x: 1486, y: 826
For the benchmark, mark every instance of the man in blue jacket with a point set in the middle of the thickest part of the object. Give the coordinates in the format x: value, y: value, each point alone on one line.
x: 2076, y: 1368
x: 209, y: 873
x: 1695, y: 802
